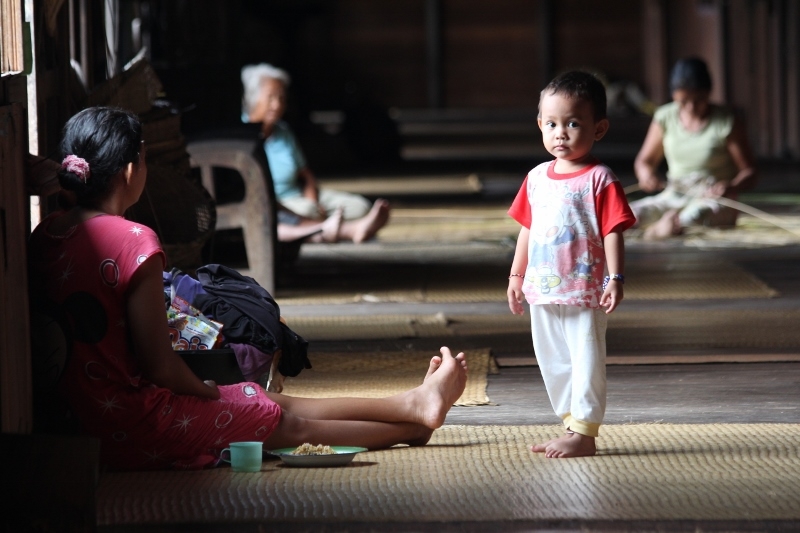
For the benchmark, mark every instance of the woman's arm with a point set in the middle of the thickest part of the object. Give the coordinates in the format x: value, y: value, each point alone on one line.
x: 309, y: 184
x: 649, y: 157
x: 739, y: 149
x: 311, y: 189
x: 147, y: 326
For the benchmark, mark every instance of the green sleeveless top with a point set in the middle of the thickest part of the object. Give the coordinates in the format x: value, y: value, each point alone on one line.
x: 703, y: 151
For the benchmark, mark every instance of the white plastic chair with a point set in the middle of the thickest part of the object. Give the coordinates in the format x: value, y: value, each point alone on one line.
x: 254, y: 214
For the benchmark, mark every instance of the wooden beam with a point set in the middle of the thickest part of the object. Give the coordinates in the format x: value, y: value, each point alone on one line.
x: 16, y: 405
x: 433, y: 47
x: 545, y: 33
x: 761, y: 79
x: 792, y: 115
x: 654, y: 42
x: 777, y: 95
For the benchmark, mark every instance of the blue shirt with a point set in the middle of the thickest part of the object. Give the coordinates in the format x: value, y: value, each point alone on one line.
x: 285, y: 161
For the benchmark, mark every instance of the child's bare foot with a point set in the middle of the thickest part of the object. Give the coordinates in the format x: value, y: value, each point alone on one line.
x: 367, y: 226
x: 668, y: 225
x: 442, y: 386
x: 331, y: 226
x: 571, y: 445
x: 542, y: 447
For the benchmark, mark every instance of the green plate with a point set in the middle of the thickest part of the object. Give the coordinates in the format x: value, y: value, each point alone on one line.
x: 343, y: 455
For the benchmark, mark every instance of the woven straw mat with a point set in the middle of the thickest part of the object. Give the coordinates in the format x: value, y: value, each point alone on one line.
x: 379, y: 374
x: 409, y: 185
x: 628, y: 330
x: 682, y: 282
x: 484, y: 473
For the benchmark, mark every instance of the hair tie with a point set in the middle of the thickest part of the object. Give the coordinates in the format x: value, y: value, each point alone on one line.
x: 77, y: 165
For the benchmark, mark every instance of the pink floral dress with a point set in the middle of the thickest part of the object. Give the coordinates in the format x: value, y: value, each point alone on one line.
x: 86, y: 273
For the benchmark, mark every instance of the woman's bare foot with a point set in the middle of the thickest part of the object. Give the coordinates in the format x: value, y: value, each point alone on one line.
x: 571, y: 445
x: 367, y: 226
x: 442, y: 386
x: 667, y: 226
x: 331, y: 226
x: 436, y: 362
x: 422, y: 440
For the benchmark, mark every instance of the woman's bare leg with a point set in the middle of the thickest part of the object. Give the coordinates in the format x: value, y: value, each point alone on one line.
x: 332, y: 226
x: 294, y: 431
x: 426, y: 405
x: 290, y: 232
x: 668, y: 225
x: 367, y: 226
x: 315, y: 231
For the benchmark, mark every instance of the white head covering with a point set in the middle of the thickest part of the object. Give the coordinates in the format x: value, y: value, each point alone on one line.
x: 252, y: 76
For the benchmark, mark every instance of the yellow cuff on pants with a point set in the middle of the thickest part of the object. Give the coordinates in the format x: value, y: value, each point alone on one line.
x: 590, y: 429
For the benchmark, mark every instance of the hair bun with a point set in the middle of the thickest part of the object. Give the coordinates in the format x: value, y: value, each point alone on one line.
x: 78, y: 166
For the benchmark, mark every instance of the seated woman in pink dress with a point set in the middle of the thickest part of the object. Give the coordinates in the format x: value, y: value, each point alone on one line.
x: 123, y: 382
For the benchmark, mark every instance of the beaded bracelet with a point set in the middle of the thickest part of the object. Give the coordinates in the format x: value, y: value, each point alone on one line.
x: 517, y: 276
x: 618, y: 277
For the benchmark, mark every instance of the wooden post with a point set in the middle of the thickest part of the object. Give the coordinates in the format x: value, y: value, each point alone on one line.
x: 546, y: 41
x: 16, y: 405
x: 654, y: 42
x: 792, y: 114
x: 433, y: 33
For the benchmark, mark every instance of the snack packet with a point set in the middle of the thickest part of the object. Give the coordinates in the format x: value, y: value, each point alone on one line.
x: 190, y: 331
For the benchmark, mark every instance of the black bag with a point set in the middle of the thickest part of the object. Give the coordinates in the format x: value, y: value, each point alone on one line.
x: 250, y: 315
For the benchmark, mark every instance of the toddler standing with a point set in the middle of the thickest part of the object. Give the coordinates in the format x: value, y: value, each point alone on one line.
x: 573, y: 212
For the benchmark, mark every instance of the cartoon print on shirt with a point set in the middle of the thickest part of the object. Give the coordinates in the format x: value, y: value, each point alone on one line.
x: 544, y: 279
x: 549, y: 229
x: 584, y: 266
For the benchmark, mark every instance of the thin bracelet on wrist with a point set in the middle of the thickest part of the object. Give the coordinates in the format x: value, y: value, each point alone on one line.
x: 615, y: 277
x: 517, y: 276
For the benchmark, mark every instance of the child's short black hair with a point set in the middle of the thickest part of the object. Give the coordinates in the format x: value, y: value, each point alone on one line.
x: 579, y: 84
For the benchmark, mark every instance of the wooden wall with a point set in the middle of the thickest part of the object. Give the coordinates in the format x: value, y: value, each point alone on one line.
x: 490, y: 59
x: 473, y: 54
x: 491, y: 52
x: 763, y: 72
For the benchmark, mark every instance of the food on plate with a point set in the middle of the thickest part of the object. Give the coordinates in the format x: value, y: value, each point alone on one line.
x: 310, y: 449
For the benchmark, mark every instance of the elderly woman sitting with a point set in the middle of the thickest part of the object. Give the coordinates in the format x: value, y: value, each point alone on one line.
x: 301, y: 201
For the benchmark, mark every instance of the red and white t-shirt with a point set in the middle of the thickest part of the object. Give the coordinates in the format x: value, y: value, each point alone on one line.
x: 568, y: 216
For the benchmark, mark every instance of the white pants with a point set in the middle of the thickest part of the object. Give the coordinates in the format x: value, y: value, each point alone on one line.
x: 353, y: 206
x: 570, y: 346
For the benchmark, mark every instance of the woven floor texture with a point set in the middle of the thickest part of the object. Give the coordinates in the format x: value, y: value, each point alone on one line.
x: 628, y: 330
x: 355, y: 374
x: 443, y: 285
x: 486, y: 473
x: 409, y: 185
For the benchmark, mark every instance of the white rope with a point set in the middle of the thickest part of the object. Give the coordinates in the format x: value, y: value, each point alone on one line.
x: 739, y: 206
